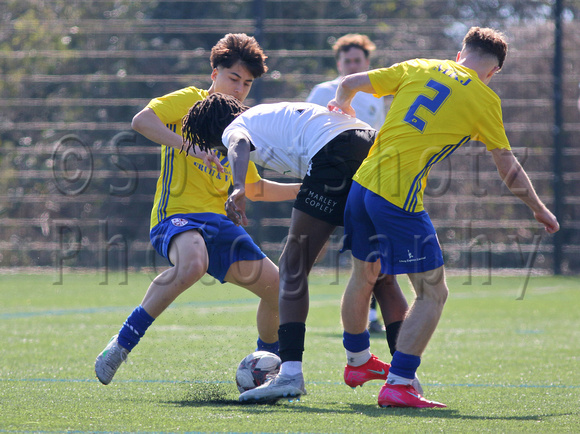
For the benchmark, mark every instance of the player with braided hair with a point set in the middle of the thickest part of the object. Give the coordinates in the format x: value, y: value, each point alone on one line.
x: 307, y: 141
x: 205, y: 121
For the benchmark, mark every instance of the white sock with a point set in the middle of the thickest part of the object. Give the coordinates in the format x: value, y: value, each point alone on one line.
x: 358, y: 359
x: 291, y: 368
x: 397, y: 379
x: 372, y: 315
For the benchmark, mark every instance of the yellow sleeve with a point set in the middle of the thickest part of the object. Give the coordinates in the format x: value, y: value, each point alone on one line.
x: 386, y: 81
x: 252, y: 175
x: 490, y: 129
x: 171, y: 108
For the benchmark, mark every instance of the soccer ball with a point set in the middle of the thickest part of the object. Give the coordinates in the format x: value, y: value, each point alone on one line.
x: 255, y: 368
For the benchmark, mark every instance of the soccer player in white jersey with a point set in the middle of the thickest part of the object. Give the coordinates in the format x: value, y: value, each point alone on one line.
x: 352, y: 53
x: 438, y: 106
x: 306, y: 141
x: 188, y: 222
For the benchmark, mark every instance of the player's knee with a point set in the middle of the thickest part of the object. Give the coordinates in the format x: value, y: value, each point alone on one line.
x: 292, y: 265
x: 441, y: 292
x: 190, y: 272
x: 434, y: 293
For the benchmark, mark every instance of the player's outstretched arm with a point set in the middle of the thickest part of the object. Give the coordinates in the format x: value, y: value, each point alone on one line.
x: 347, y: 89
x: 270, y: 191
x: 147, y: 123
x: 516, y: 179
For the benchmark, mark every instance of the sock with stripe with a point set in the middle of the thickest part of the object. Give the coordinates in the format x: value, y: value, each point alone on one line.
x: 134, y: 328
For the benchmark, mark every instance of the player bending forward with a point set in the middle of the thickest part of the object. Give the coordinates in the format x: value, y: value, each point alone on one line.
x: 307, y: 141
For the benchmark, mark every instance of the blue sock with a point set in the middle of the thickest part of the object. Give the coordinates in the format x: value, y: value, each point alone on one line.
x: 134, y: 328
x: 356, y: 343
x: 272, y: 348
x: 404, y: 365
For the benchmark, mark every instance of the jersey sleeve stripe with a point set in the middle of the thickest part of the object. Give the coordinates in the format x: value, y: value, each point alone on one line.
x: 164, y: 178
x: 168, y: 184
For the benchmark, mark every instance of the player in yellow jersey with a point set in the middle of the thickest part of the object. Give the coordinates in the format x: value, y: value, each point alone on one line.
x: 188, y: 222
x: 438, y: 106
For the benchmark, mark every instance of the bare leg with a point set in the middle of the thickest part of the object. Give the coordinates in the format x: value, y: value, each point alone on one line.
x: 357, y: 295
x: 430, y: 296
x: 260, y: 277
x: 189, y: 255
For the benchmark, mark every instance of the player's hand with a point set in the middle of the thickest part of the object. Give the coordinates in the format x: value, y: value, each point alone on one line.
x: 236, y: 207
x: 548, y: 219
x: 333, y: 106
x: 211, y: 159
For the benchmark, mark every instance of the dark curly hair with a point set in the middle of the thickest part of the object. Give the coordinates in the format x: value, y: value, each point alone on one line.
x: 205, y: 122
x: 487, y: 41
x: 239, y: 47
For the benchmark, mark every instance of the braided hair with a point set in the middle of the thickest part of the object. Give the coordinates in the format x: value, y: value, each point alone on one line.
x: 206, y: 121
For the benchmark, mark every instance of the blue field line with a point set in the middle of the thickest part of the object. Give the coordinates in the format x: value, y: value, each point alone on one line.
x: 318, y: 383
x: 106, y: 309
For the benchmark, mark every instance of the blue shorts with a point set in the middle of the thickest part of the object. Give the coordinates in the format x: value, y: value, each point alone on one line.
x: 374, y: 228
x: 226, y: 243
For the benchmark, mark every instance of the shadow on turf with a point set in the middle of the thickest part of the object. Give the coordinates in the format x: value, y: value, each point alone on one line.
x: 198, y: 395
x: 216, y: 395
x: 441, y: 413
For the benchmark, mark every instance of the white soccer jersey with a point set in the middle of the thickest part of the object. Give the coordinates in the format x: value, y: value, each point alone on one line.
x: 368, y: 108
x: 287, y: 135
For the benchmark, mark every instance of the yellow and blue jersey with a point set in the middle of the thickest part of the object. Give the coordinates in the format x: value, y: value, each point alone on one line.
x: 186, y: 185
x: 438, y: 106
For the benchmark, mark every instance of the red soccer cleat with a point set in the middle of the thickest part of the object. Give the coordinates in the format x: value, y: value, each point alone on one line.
x: 401, y: 395
x: 373, y: 369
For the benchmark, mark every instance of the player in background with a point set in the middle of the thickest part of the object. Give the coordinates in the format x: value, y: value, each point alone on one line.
x: 310, y: 142
x: 439, y: 105
x: 188, y: 222
x: 352, y: 53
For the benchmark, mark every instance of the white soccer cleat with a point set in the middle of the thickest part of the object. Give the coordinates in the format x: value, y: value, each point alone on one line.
x: 109, y: 360
x: 279, y: 387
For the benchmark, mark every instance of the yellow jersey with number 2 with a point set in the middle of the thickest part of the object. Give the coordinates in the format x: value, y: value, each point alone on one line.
x: 438, y: 106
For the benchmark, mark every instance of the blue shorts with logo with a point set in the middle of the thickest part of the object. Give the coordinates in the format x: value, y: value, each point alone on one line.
x: 226, y: 243
x: 375, y: 229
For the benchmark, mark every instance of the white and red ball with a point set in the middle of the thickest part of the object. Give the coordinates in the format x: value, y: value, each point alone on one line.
x: 255, y: 369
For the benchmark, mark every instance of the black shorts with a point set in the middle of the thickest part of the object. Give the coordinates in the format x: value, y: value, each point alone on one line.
x: 327, y: 182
